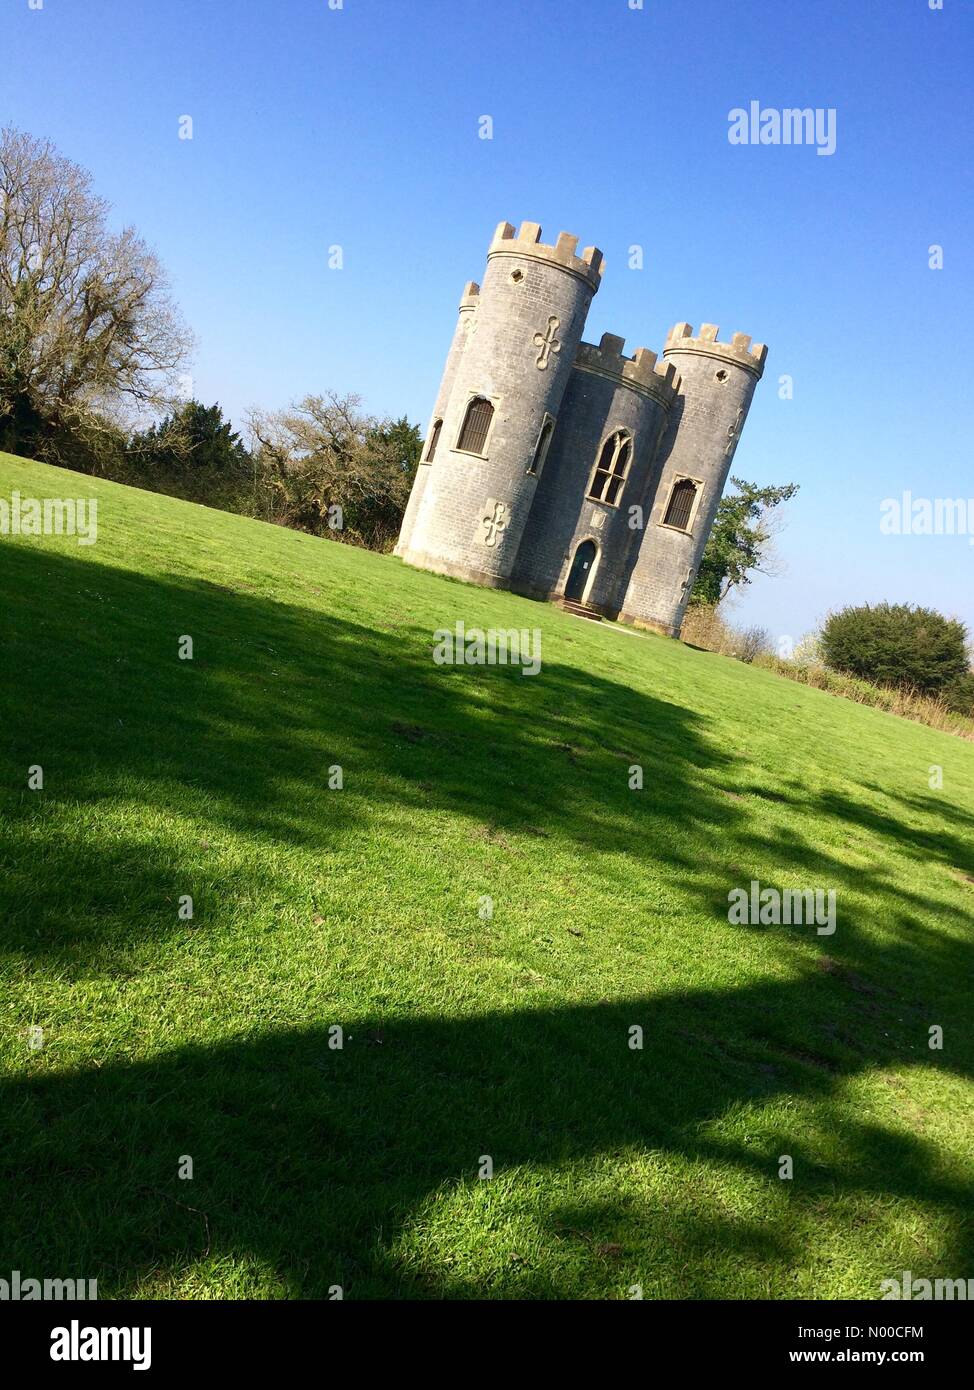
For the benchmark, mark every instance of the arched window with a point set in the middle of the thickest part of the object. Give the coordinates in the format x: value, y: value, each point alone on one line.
x: 434, y: 440
x: 680, y: 506
x: 541, y: 448
x: 611, y: 468
x: 475, y: 427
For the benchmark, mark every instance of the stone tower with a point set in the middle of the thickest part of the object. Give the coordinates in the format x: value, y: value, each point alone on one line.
x: 511, y: 372
x: 717, y: 383
x: 563, y: 469
x: 468, y: 305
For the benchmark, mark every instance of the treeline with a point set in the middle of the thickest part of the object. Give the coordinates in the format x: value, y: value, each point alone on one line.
x: 321, y: 466
x: 90, y: 341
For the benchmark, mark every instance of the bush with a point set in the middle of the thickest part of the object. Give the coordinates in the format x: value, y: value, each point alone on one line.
x: 754, y: 642
x: 896, y: 645
x: 959, y: 694
x: 951, y: 711
x: 705, y: 627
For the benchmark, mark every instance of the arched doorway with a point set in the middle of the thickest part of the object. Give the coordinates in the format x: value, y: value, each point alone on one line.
x: 581, y: 570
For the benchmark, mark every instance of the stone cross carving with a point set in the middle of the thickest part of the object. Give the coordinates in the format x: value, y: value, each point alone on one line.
x: 547, y: 342
x: 494, y: 521
x: 732, y: 432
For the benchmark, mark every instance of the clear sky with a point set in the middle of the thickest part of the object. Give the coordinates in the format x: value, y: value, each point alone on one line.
x: 359, y: 127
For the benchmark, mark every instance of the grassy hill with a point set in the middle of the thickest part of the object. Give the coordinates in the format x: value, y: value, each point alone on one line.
x: 314, y: 907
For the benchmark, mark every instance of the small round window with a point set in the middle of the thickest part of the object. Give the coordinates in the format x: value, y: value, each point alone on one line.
x: 721, y: 375
x: 517, y: 276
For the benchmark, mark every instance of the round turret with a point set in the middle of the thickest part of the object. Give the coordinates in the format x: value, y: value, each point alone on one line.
x: 717, y: 384
x: 504, y: 399
x: 468, y: 306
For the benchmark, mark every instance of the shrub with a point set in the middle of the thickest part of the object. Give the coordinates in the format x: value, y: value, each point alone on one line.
x: 959, y: 694
x: 704, y: 626
x: 896, y: 645
x: 754, y: 642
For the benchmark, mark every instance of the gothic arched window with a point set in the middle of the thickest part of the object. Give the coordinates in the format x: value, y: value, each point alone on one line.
x: 541, y: 448
x: 434, y: 440
x: 611, y: 468
x: 679, y: 509
x: 476, y: 425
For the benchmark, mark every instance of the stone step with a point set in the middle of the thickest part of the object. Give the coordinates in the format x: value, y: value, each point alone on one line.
x: 580, y: 610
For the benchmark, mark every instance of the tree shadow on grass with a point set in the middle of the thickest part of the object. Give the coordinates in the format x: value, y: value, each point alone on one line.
x: 241, y: 740
x: 314, y: 1160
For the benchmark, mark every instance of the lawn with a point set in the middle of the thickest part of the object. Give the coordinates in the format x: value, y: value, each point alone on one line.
x: 361, y: 908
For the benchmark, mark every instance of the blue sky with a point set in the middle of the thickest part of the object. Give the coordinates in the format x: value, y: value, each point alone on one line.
x: 359, y: 127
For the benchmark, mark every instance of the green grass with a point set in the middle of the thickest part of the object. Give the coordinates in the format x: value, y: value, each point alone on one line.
x: 358, y: 907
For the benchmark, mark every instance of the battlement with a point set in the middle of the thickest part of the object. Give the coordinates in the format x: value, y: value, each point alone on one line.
x: 527, y: 242
x: 739, y: 349
x: 643, y: 372
x: 471, y: 295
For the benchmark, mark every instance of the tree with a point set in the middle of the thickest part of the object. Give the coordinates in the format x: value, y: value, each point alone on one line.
x: 405, y: 442
x: 897, y: 644
x: 739, y: 540
x: 86, y: 322
x: 194, y: 452
x: 323, y: 454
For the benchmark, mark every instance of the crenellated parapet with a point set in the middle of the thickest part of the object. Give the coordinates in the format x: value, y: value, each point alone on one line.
x: 681, y: 339
x: 527, y: 242
x: 643, y: 372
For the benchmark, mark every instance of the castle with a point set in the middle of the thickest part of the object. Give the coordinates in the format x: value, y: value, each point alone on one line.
x: 571, y: 472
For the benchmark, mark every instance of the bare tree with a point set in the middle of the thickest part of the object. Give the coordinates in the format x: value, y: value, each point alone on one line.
x: 86, y: 321
x: 324, y: 453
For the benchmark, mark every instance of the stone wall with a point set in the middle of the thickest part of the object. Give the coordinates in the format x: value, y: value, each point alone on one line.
x: 607, y: 392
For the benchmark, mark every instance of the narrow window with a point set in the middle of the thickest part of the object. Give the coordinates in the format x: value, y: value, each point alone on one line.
x: 434, y: 440
x: 611, y: 469
x: 680, y: 505
x: 541, y: 448
x: 476, y: 423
